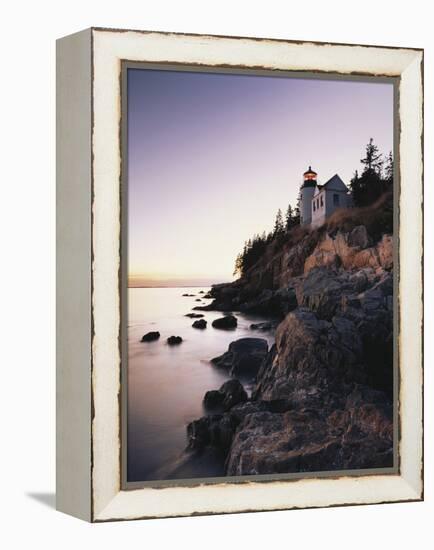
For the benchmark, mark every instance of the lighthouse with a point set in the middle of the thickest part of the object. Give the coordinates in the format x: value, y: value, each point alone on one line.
x: 307, y: 191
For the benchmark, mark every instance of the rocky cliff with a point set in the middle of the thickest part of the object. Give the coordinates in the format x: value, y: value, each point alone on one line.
x: 323, y: 394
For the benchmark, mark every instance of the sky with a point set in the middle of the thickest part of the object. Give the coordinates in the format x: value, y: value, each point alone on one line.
x: 211, y: 158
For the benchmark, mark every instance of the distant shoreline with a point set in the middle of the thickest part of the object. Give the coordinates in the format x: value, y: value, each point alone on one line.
x: 207, y: 285
x: 170, y: 286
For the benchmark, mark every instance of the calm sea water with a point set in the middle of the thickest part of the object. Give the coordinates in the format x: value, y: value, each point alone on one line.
x: 166, y: 384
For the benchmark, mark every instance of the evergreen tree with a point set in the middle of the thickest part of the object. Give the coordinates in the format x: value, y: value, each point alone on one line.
x: 278, y: 224
x: 367, y: 188
x: 388, y: 170
x: 373, y: 159
x: 355, y: 186
x: 371, y: 184
x: 289, y: 217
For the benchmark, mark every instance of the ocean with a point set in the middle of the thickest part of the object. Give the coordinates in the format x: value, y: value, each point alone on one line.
x: 166, y: 384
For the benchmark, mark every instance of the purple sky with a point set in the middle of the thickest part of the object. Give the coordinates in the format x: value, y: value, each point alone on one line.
x: 213, y: 156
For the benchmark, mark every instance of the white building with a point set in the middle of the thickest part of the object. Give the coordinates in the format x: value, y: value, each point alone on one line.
x: 318, y: 202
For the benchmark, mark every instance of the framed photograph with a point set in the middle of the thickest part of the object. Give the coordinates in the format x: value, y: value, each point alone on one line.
x: 239, y: 274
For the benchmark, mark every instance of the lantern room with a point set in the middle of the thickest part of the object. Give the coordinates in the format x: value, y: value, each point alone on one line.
x: 310, y: 175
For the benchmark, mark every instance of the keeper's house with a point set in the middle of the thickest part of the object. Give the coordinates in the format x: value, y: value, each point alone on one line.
x: 318, y: 202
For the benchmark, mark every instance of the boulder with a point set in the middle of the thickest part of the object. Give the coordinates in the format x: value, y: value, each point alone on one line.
x: 270, y: 437
x: 213, y: 306
x: 194, y: 315
x: 216, y: 431
x: 150, y: 336
x: 322, y: 258
x: 244, y: 357
x: 265, y: 326
x: 223, y: 297
x: 201, y: 323
x: 275, y: 303
x: 174, y: 340
x: 213, y: 400
x: 385, y: 252
x: 353, y: 250
x: 359, y: 237
x: 233, y: 392
x: 305, y: 441
x: 230, y: 394
x: 313, y: 360
x: 226, y: 322
x: 321, y: 291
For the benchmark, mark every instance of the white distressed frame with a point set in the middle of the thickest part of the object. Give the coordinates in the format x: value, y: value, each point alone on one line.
x: 108, y: 49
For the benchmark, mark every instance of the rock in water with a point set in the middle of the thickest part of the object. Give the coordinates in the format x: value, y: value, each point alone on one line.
x: 174, y: 340
x: 201, y: 323
x: 215, y: 431
x: 213, y: 306
x: 150, y: 336
x: 233, y: 393
x: 226, y: 322
x: 274, y: 303
x: 244, y: 357
x: 267, y: 325
x: 213, y: 400
x: 194, y: 315
x: 230, y: 394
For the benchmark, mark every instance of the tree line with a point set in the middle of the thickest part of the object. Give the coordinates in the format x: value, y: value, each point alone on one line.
x: 375, y: 179
x: 254, y: 248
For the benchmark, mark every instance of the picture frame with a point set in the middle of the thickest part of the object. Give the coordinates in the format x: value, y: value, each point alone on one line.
x: 90, y: 296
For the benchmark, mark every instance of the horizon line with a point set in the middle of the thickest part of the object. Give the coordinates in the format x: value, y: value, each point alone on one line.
x: 201, y: 283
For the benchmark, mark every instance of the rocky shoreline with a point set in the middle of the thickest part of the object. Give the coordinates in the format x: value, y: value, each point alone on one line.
x: 322, y: 396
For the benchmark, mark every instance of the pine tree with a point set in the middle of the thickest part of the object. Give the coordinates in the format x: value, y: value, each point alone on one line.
x: 388, y: 170
x: 289, y: 217
x: 355, y: 187
x: 278, y: 224
x: 371, y: 184
x: 373, y: 159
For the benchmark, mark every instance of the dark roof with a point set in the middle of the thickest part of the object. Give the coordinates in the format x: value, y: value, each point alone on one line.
x: 310, y: 171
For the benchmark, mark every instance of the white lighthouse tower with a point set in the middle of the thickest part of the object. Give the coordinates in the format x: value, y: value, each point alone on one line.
x: 307, y: 191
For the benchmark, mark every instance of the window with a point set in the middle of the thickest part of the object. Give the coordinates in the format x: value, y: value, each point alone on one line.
x: 322, y: 201
x: 313, y: 204
x: 335, y: 199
